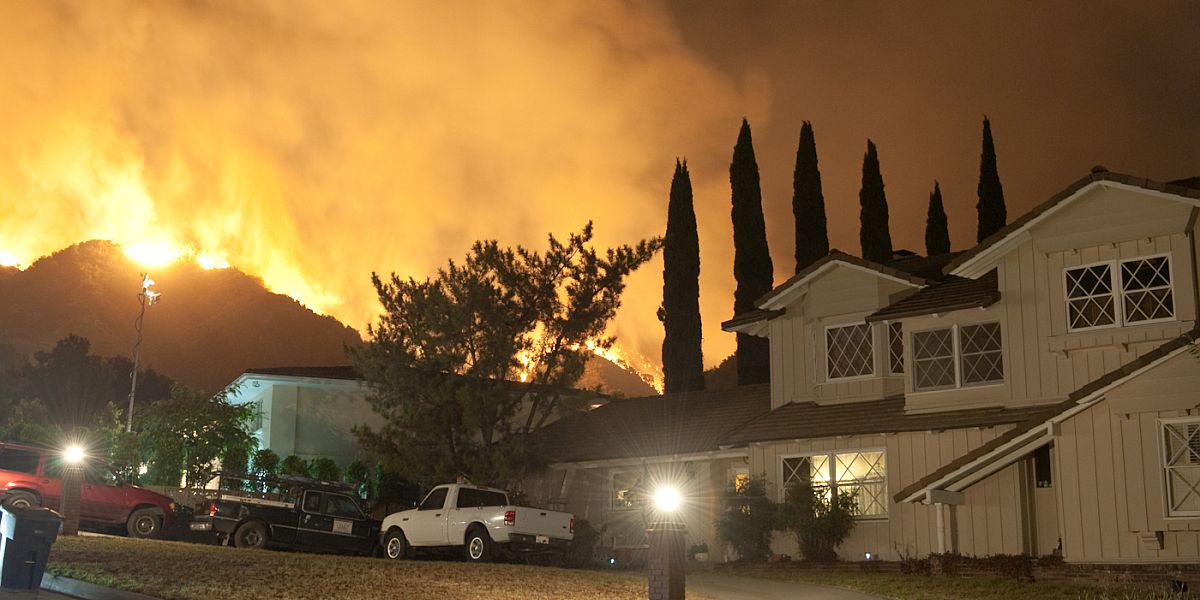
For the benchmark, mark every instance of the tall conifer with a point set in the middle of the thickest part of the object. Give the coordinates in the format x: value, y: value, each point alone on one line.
x: 873, y: 231
x: 992, y: 212
x: 683, y: 361
x: 808, y: 203
x: 751, y: 258
x: 937, y: 230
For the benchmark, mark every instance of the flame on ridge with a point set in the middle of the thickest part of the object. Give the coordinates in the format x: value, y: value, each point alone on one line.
x: 626, y: 360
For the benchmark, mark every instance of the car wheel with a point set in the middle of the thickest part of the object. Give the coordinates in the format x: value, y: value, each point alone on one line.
x: 479, y: 545
x: 19, y: 499
x: 144, y: 523
x: 250, y: 535
x: 395, y: 545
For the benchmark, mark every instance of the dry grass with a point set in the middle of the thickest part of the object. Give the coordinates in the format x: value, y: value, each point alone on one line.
x: 178, y: 571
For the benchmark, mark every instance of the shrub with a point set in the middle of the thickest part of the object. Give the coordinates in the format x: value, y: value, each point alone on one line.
x: 358, y: 474
x: 819, y: 522
x: 747, y: 520
x: 325, y: 469
x: 581, y: 554
x: 294, y: 465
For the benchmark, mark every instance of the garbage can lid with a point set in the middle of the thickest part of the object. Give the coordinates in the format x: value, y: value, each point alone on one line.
x: 29, y: 513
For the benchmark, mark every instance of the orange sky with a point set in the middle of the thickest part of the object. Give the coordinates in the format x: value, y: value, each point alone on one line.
x: 312, y: 142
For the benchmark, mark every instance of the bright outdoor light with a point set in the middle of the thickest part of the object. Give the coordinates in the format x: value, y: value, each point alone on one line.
x: 667, y: 499
x: 73, y: 454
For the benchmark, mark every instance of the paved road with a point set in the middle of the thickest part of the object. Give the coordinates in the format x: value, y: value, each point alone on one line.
x: 729, y: 587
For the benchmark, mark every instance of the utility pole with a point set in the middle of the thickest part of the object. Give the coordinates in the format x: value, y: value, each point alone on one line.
x: 147, y: 297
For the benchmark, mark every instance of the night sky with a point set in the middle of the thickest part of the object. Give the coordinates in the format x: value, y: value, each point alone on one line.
x: 311, y: 143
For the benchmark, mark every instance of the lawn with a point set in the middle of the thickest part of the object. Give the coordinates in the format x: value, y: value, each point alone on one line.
x: 179, y: 571
x: 923, y: 587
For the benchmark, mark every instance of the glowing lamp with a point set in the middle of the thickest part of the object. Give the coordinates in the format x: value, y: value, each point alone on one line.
x: 74, y: 454
x: 868, y: 556
x: 667, y: 499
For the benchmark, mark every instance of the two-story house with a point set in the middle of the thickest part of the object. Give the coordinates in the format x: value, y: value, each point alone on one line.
x: 1036, y: 394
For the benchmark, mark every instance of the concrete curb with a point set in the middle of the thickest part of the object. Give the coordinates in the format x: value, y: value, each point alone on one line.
x: 87, y: 591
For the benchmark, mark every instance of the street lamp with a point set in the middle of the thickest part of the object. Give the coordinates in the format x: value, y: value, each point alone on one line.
x: 73, y: 457
x: 666, y: 537
x: 147, y: 297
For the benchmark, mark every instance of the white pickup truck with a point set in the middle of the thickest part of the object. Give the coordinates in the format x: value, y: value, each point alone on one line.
x: 477, y: 519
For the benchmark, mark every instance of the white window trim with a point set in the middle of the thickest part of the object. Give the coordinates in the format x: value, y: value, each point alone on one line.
x: 958, y: 379
x: 1162, y: 470
x: 831, y: 454
x: 903, y: 349
x: 825, y: 351
x: 1116, y: 285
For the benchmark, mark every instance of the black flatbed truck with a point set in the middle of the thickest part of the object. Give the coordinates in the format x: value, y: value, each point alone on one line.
x: 288, y: 512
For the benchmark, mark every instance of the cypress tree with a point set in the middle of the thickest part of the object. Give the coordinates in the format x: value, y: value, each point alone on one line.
x: 937, y: 230
x: 992, y: 213
x: 683, y: 362
x: 751, y: 259
x: 808, y: 203
x: 873, y: 231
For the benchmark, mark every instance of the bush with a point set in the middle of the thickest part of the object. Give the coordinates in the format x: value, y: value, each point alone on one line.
x: 820, y: 523
x: 747, y: 520
x: 264, y: 463
x: 581, y: 554
x: 358, y: 475
x: 294, y: 465
x: 325, y: 469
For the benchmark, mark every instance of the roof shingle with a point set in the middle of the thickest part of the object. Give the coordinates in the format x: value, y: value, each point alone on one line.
x: 955, y: 293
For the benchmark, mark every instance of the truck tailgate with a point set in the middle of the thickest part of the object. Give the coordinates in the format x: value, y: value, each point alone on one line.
x: 534, y: 521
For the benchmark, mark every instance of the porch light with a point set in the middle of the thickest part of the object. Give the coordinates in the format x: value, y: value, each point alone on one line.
x: 667, y: 499
x: 74, y: 454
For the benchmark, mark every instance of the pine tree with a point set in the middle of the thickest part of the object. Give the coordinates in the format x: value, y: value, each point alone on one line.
x: 873, y: 233
x: 808, y: 203
x: 683, y: 361
x: 992, y: 213
x: 937, y: 230
x: 751, y: 258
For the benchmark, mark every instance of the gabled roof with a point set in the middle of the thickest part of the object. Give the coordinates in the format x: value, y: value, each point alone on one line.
x: 803, y: 420
x: 1021, y: 440
x: 753, y: 322
x: 654, y: 426
x: 345, y: 372
x: 779, y: 296
x: 966, y: 263
x: 955, y: 293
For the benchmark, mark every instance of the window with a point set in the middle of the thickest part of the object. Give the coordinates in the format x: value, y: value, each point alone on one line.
x: 435, y: 500
x: 849, y: 351
x: 863, y: 474
x: 896, y: 348
x: 337, y: 505
x: 312, y: 502
x: 1041, y: 467
x: 1144, y: 288
x: 19, y: 461
x: 957, y: 356
x: 627, y: 490
x: 1181, y: 463
x: 741, y: 478
x: 473, y: 498
x: 256, y: 422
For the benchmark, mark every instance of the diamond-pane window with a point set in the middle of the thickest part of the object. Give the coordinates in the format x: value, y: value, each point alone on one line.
x: 933, y: 359
x: 896, y: 348
x: 849, y: 351
x: 1146, y: 289
x: 862, y: 474
x: 979, y: 348
x: 1090, y: 297
x: 1181, y: 463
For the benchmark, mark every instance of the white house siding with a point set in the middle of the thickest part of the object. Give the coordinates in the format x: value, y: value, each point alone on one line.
x: 988, y: 523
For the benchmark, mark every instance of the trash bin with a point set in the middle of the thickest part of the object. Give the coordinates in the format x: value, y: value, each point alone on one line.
x: 26, y: 535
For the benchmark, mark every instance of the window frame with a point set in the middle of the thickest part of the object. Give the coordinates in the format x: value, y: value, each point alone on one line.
x: 831, y: 462
x: 612, y: 489
x: 825, y: 344
x: 1116, y: 281
x: 1164, y: 469
x: 891, y: 335
x: 956, y: 343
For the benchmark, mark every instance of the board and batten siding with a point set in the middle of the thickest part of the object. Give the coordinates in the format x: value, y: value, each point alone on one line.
x: 1111, y: 490
x: 990, y: 522
x: 840, y: 296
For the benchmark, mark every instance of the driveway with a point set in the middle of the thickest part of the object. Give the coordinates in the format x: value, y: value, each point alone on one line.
x: 730, y: 587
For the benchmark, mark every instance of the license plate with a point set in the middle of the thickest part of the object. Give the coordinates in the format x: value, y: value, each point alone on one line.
x: 201, y: 526
x: 542, y: 539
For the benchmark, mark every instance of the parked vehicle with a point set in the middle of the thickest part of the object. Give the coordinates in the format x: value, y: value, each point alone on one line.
x: 480, y: 521
x: 288, y: 512
x: 30, y: 476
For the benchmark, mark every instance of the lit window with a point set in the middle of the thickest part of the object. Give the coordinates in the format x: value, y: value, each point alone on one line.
x: 628, y: 490
x: 862, y: 474
x: 896, y: 348
x: 741, y: 478
x: 849, y: 351
x: 1144, y: 288
x: 957, y: 356
x: 1181, y: 463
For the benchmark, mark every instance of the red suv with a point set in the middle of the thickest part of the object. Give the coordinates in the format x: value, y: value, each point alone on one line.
x: 29, y: 476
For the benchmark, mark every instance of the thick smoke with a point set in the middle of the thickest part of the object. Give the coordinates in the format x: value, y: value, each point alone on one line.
x: 311, y: 142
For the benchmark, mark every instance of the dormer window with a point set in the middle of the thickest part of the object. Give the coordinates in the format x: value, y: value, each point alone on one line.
x: 1115, y: 293
x: 957, y: 356
x: 849, y: 352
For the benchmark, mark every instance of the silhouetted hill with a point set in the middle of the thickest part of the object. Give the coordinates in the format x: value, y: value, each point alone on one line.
x: 613, y: 380
x: 208, y: 327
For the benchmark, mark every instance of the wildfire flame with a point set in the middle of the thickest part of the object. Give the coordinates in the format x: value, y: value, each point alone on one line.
x: 160, y: 254
x: 626, y: 360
